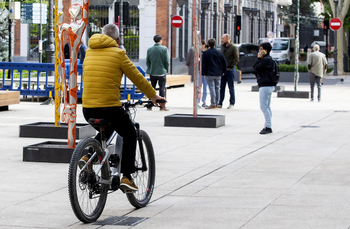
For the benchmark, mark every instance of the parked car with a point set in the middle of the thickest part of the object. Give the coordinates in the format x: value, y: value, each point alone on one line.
x: 247, y: 55
x: 322, y: 45
x: 282, y: 49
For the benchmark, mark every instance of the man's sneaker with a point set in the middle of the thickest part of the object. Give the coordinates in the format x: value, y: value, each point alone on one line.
x: 311, y: 100
x: 266, y: 130
x: 84, y: 159
x: 163, y: 109
x: 230, y: 106
x: 211, y: 107
x: 219, y: 106
x: 128, y: 185
x: 319, y: 100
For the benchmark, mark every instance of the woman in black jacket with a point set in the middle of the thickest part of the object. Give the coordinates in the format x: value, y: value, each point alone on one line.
x: 263, y: 68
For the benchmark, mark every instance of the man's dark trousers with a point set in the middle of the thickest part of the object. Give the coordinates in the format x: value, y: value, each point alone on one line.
x: 161, y: 82
x: 229, y: 77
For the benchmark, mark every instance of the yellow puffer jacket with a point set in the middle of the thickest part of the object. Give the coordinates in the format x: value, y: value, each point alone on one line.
x: 103, y: 70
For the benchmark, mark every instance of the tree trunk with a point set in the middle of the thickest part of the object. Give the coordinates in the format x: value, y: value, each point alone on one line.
x: 342, y: 10
x: 340, y: 44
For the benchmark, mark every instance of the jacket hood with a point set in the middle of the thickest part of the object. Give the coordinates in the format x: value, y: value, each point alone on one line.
x: 98, y: 41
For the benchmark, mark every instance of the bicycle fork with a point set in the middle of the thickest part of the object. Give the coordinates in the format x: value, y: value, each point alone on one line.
x: 142, y: 152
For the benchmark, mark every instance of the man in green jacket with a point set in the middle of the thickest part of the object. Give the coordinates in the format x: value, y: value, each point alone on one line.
x: 230, y: 52
x: 158, y: 63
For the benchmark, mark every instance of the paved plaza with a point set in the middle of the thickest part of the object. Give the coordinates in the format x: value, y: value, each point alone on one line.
x: 298, y: 177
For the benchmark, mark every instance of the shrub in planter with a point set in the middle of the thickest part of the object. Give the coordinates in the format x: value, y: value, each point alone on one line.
x: 303, y: 54
x: 290, y: 68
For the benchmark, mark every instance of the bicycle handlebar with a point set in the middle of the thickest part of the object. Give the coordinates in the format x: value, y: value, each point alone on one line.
x: 140, y: 102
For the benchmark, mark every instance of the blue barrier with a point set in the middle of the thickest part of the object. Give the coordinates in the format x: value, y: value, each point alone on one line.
x: 30, y: 86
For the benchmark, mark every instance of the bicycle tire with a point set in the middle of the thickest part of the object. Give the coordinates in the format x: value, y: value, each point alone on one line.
x: 143, y: 179
x: 86, y: 202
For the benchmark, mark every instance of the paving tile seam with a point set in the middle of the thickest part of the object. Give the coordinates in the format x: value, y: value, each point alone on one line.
x: 306, y: 174
x: 27, y: 200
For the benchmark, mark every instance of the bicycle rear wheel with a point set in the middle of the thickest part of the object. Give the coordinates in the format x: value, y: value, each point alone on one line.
x: 143, y: 179
x: 87, y: 196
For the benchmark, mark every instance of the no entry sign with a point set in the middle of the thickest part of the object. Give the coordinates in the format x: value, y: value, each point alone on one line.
x: 335, y: 24
x: 176, y: 21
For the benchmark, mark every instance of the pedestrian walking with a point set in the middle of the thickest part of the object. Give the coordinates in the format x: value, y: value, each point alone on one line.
x: 158, y: 62
x: 305, y: 49
x: 317, y: 66
x: 263, y: 67
x: 231, y: 54
x: 213, y: 67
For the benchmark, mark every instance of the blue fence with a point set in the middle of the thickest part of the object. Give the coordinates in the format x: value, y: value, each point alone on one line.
x: 38, y: 82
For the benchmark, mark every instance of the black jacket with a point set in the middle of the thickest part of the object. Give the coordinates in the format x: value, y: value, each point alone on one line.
x: 213, y: 63
x: 263, y: 71
x: 231, y: 54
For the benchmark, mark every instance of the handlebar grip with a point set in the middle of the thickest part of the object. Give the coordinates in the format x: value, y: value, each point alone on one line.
x: 160, y: 101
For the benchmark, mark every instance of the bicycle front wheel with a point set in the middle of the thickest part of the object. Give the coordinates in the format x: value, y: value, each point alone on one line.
x: 87, y: 196
x: 143, y: 179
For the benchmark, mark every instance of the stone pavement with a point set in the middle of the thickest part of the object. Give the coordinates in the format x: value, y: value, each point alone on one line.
x: 229, y: 177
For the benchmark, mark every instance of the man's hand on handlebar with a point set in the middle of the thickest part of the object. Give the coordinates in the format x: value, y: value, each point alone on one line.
x: 158, y: 103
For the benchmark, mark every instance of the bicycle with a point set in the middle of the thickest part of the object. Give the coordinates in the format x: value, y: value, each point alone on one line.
x: 89, y: 186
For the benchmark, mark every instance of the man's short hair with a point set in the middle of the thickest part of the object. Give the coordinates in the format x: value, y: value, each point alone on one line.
x: 211, y: 42
x: 111, y: 30
x: 266, y: 46
x: 316, y: 48
x: 227, y: 36
x: 157, y: 38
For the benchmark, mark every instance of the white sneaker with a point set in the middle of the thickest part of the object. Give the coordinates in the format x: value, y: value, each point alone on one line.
x: 230, y: 107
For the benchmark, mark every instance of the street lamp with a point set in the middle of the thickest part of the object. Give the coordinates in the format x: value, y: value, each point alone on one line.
x: 228, y: 8
x: 50, y: 50
x: 254, y: 12
x: 268, y: 15
x: 335, y: 71
x: 204, y: 5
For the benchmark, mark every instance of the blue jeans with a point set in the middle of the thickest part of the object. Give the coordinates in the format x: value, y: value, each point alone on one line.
x: 214, y: 89
x: 228, y: 78
x: 161, y: 82
x: 265, y: 101
x: 205, y: 85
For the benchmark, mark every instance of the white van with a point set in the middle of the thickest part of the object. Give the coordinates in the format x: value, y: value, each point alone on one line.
x: 282, y: 49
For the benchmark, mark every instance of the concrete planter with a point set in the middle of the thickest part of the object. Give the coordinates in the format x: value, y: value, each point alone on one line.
x: 289, y: 77
x: 49, y: 130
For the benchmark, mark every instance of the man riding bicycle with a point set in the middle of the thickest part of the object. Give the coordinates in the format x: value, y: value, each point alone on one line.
x: 103, y: 69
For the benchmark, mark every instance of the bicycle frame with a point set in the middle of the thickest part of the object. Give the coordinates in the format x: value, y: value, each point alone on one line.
x: 117, y: 150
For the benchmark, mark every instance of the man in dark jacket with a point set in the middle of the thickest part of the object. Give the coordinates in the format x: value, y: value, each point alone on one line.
x: 231, y: 54
x: 213, y: 67
x: 263, y: 68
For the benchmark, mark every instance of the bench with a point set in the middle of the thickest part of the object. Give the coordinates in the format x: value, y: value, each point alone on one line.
x: 177, y: 80
x: 7, y: 98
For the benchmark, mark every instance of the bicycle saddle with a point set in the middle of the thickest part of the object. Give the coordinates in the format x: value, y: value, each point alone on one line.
x: 99, y: 122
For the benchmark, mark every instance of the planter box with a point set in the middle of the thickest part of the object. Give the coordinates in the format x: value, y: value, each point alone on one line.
x: 289, y: 77
x: 293, y: 94
x: 50, y: 151
x: 187, y: 120
x: 302, y: 58
x: 49, y: 130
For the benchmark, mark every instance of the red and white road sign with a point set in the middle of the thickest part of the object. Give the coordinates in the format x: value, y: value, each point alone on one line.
x: 335, y: 24
x: 176, y: 21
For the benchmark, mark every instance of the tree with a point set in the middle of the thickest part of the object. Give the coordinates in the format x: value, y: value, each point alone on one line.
x: 3, y: 32
x: 306, y: 11
x: 343, y: 15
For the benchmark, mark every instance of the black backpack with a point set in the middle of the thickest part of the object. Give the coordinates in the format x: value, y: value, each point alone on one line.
x: 275, y: 73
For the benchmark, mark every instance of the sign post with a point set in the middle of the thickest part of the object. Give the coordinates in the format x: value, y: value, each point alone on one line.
x: 335, y: 24
x: 176, y: 21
